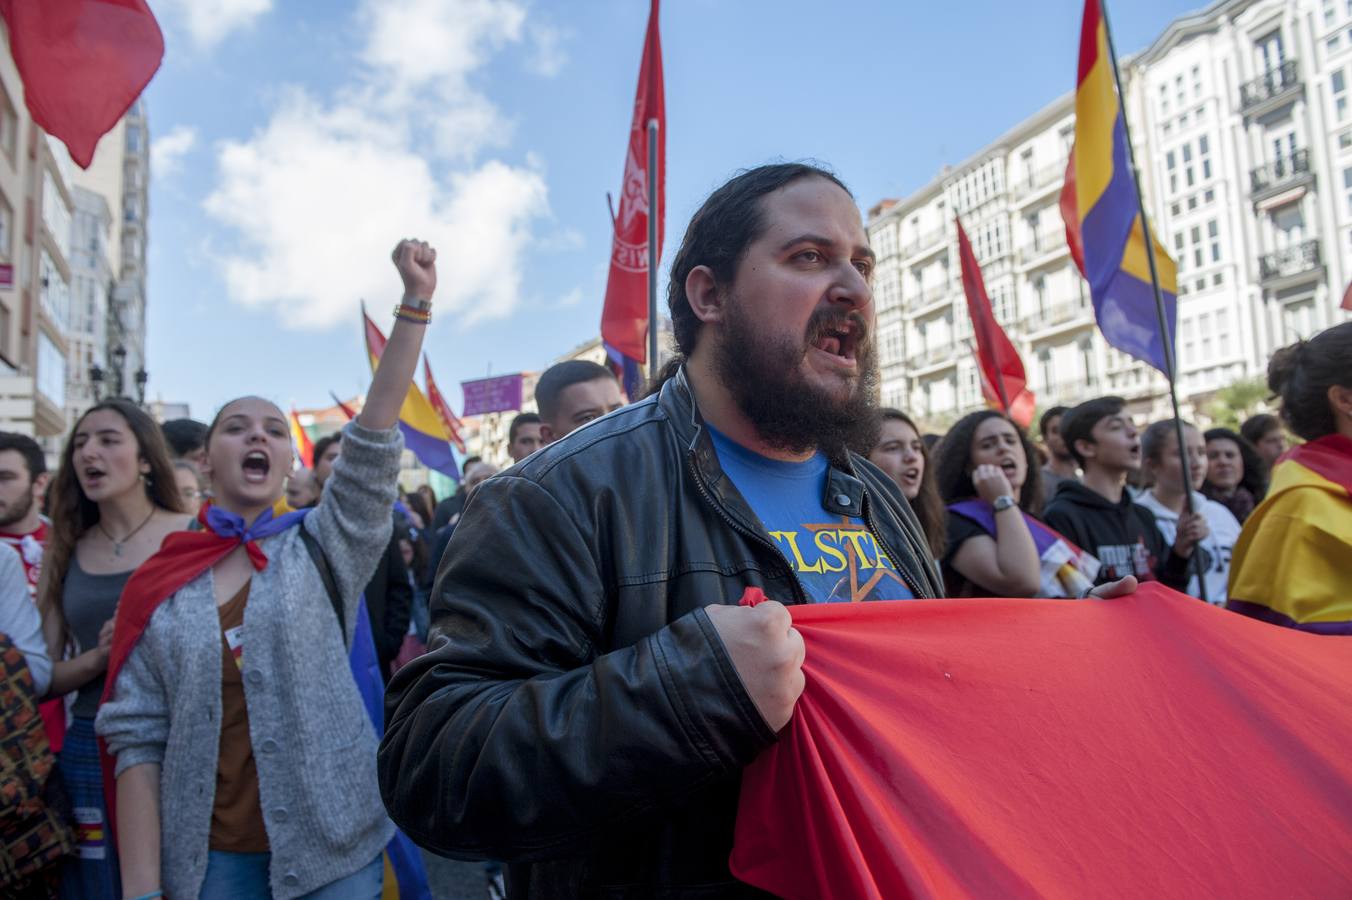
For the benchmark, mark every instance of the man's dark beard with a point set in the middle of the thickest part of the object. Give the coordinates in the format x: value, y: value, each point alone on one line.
x: 16, y: 513
x: 789, y: 414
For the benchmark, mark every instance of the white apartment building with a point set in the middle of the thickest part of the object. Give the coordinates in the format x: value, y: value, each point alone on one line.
x: 91, y: 285
x: 1242, y: 129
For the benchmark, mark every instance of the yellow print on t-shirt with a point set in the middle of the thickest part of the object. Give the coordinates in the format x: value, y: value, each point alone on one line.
x: 842, y: 548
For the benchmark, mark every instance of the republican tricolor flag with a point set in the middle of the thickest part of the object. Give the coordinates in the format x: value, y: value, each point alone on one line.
x: 1104, y: 222
x: 424, y: 432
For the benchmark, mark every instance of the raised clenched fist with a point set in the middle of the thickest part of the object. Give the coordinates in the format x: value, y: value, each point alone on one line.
x: 767, y: 652
x: 991, y: 483
x: 417, y: 265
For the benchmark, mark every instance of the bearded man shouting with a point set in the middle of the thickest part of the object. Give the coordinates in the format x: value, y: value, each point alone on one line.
x: 592, y: 689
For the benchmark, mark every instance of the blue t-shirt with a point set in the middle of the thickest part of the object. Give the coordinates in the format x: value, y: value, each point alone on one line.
x: 835, y: 557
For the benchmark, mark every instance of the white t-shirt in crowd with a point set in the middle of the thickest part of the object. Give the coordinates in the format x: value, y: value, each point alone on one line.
x: 1219, y: 544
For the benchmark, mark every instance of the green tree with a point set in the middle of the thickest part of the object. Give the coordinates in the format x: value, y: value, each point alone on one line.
x: 1235, y: 403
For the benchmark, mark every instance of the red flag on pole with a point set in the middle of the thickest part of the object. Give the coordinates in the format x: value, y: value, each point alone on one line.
x: 83, y: 63
x: 1347, y: 298
x: 448, y: 418
x: 1003, y: 382
x: 347, y: 410
x: 305, y: 448
x: 624, y: 319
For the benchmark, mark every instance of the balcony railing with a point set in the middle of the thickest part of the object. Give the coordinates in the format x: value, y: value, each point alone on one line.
x: 1281, y: 171
x: 927, y: 297
x: 1294, y: 260
x: 1041, y: 246
x: 1039, y: 179
x: 1070, y: 391
x: 924, y: 242
x: 1057, y: 314
x: 1270, y: 84
x: 928, y: 356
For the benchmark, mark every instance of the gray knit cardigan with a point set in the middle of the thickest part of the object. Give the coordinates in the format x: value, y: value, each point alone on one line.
x: 312, y: 741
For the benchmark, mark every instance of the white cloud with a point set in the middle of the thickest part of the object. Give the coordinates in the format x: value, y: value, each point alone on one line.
x: 547, y: 54
x: 570, y: 299
x: 318, y: 195
x: 167, y: 152
x: 209, y: 21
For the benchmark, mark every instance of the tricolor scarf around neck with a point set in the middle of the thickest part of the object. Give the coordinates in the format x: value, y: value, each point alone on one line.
x: 1066, y: 570
x: 183, y: 556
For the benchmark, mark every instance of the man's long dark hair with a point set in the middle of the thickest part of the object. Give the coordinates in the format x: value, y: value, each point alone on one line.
x: 718, y: 236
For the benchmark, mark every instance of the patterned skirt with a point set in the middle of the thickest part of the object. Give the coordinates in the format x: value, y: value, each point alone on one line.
x: 92, y: 873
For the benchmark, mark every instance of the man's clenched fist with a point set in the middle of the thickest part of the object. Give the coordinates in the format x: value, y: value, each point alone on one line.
x: 767, y: 652
x: 417, y: 265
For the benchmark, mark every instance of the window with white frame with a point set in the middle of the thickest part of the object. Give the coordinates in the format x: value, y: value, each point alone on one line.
x: 1223, y: 333
x: 1338, y: 81
x: 1213, y: 234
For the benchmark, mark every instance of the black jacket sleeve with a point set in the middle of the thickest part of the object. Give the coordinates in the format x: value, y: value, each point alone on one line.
x: 517, y: 737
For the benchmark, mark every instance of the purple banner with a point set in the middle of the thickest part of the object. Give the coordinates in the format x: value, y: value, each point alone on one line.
x: 490, y: 395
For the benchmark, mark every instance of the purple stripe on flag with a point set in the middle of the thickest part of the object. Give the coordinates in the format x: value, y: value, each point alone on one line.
x: 1126, y: 315
x: 1107, y: 225
x: 1272, y: 617
x: 432, y: 452
x: 983, y: 514
x: 628, y: 370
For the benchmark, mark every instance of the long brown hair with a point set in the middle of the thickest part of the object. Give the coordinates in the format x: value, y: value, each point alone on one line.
x: 927, y: 505
x: 73, y: 513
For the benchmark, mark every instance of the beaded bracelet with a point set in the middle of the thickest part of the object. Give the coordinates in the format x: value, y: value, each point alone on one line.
x: 413, y: 314
x: 153, y: 895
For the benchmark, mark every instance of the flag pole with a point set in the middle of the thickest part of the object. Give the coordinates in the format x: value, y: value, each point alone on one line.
x: 1170, y: 363
x: 653, y: 212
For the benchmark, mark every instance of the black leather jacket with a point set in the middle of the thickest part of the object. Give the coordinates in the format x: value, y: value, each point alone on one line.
x: 576, y: 714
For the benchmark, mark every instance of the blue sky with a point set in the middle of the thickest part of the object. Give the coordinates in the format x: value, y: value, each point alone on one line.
x: 297, y: 140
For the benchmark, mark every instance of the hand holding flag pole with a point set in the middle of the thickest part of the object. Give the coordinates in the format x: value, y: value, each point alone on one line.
x: 1167, y: 338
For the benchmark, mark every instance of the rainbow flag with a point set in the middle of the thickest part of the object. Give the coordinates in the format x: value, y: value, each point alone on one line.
x: 1290, y: 566
x: 1106, y: 211
x: 424, y: 432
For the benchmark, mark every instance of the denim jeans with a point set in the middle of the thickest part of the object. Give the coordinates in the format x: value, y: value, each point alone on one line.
x: 232, y: 875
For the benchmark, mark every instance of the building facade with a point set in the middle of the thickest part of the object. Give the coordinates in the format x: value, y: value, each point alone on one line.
x: 35, y: 269
x: 1242, y: 131
x: 91, y: 286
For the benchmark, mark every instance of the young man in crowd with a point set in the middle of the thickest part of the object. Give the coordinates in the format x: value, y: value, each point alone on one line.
x: 1097, y: 513
x: 1060, y: 464
x: 186, y: 439
x: 389, y: 594
x: 23, y: 480
x: 572, y: 393
x: 592, y: 689
x: 523, y: 436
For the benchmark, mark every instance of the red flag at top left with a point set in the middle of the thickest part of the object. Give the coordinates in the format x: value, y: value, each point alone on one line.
x: 83, y: 64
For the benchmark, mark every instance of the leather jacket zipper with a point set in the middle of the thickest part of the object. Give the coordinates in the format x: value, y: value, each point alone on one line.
x: 800, y: 595
x: 901, y: 569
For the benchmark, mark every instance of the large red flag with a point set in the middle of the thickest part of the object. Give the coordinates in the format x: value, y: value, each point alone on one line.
x: 83, y: 63
x: 448, y: 418
x: 1003, y: 381
x: 624, y: 320
x: 1151, y: 746
x: 1347, y: 297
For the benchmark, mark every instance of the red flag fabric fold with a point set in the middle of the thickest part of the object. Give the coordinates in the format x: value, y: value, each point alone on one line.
x: 443, y: 409
x: 83, y: 63
x: 1149, y: 746
x: 1003, y: 380
x: 624, y: 319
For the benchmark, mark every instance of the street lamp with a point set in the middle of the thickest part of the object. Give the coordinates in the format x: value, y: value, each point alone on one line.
x: 119, y: 368
x: 141, y: 378
x: 96, y: 380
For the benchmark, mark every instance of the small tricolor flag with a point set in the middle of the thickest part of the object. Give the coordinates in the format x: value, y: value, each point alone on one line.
x: 423, y: 430
x: 1105, y: 221
x: 305, y: 448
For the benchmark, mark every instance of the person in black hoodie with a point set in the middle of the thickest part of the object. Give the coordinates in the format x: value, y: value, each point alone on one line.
x: 1098, y: 514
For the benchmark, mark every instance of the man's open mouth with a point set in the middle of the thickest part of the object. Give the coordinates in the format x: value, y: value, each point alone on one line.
x: 840, y: 339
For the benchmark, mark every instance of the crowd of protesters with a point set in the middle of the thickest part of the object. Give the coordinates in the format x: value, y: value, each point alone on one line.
x: 536, y: 636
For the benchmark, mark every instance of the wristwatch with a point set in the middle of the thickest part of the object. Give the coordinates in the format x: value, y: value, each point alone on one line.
x: 1003, y: 502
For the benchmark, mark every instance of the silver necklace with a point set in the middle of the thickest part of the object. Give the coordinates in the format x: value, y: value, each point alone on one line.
x: 117, y: 545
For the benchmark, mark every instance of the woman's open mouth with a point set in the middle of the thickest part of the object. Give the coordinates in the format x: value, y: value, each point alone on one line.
x: 256, y: 467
